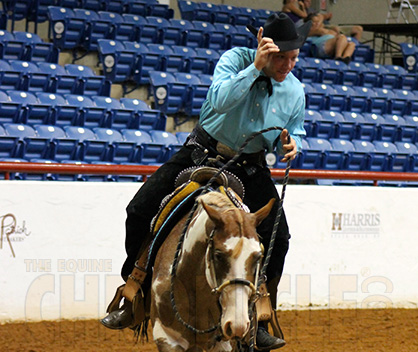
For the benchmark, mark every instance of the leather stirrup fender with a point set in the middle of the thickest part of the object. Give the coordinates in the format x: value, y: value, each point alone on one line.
x: 263, y: 305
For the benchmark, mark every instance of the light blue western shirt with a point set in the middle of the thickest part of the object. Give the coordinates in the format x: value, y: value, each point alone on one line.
x: 232, y: 112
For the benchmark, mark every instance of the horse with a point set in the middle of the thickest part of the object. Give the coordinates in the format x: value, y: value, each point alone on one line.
x: 220, y: 253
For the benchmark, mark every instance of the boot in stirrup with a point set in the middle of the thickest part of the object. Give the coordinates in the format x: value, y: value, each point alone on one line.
x: 132, y: 312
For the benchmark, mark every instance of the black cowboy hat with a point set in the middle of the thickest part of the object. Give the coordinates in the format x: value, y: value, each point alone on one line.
x: 283, y: 31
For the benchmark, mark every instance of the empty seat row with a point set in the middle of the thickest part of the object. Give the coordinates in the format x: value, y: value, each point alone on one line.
x: 367, y: 126
x: 316, y: 70
x: 78, y: 110
x: 43, y: 142
x: 179, y: 92
x: 221, y: 13
x: 340, y: 98
x: 54, y: 78
x: 358, y: 155
x: 26, y: 46
x: 83, y: 28
x: 132, y: 61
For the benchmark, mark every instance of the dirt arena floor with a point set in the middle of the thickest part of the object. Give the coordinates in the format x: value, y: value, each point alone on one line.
x: 377, y: 330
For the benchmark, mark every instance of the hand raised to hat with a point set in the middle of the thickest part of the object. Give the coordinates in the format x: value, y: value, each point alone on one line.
x: 265, y: 49
x: 289, y: 146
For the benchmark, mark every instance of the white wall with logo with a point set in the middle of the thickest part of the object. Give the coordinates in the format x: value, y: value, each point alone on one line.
x: 62, y: 247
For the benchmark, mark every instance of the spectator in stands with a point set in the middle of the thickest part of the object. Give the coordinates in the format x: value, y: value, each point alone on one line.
x: 329, y: 43
x: 350, y: 31
x: 251, y: 90
x: 295, y: 9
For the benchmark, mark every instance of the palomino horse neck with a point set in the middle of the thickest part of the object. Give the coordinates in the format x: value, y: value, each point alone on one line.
x: 220, y: 252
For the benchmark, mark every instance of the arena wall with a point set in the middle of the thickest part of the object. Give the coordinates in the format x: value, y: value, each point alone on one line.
x: 350, y: 248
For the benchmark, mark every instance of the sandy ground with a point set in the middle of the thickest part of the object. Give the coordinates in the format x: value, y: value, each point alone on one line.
x: 377, y: 330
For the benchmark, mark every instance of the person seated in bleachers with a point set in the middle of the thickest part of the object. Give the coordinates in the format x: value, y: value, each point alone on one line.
x: 350, y: 31
x: 328, y: 42
x: 295, y: 9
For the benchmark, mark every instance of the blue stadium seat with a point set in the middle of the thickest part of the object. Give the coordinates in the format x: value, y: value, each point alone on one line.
x: 169, y: 140
x: 37, y: 49
x: 403, y: 102
x: 333, y: 72
x: 244, y: 16
x: 410, y: 130
x: 350, y: 127
x: 177, y: 32
x: 193, y: 11
x: 170, y: 95
x: 89, y: 114
x: 9, y: 78
x: 32, y: 78
x: 68, y: 29
x: 393, y: 77
x: 363, y: 53
x: 153, y: 30
x: 391, y: 129
x: 312, y: 120
x: 9, y: 145
x: 339, y: 157
x: 363, y: 156
x: 118, y: 63
x: 410, y: 56
x: 118, y: 116
x: 9, y: 110
x: 373, y: 75
x: 90, y: 148
x: 370, y: 127
x: 19, y: 132
x: 49, y: 131
x: 197, y: 92
x: 380, y: 103
x: 383, y: 159
x: 199, y: 36
x: 11, y: 48
x: 225, y: 14
x: 146, y: 118
x: 111, y: 136
x: 221, y: 36
x: 95, y: 5
x: 160, y: 10
x: 330, y: 124
x: 204, y: 61
x: 60, y: 81
x: 130, y: 28
x: 61, y: 113
x: 90, y: 83
x: 31, y: 111
x: 340, y: 99
x: 352, y: 75
x: 182, y: 137
x: 318, y: 99
x: 149, y: 152
x: 242, y: 37
x: 405, y: 158
x: 360, y: 100
x: 312, y: 70
x: 315, y: 157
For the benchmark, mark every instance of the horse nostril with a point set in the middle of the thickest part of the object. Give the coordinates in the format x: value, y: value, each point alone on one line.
x: 228, y: 330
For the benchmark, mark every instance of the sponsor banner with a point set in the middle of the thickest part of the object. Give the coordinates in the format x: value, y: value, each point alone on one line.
x: 62, y: 248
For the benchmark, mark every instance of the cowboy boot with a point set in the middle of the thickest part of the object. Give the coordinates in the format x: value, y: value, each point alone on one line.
x: 266, y: 314
x: 132, y: 312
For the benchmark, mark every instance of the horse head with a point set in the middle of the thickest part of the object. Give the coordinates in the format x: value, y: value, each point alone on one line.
x: 232, y: 260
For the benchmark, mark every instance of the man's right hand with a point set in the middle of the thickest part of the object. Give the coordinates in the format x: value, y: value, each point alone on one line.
x: 265, y: 48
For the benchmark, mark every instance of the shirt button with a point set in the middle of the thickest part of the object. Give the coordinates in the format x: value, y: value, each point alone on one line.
x: 244, y: 135
x: 254, y: 76
x: 252, y: 120
x: 257, y: 105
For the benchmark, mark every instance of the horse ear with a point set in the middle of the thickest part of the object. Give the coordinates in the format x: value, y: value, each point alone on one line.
x: 214, y: 215
x: 262, y: 213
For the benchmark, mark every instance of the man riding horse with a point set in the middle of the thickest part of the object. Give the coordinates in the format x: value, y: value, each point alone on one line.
x: 252, y: 90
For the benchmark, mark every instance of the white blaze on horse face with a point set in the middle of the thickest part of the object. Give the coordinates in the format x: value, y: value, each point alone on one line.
x: 235, y: 298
